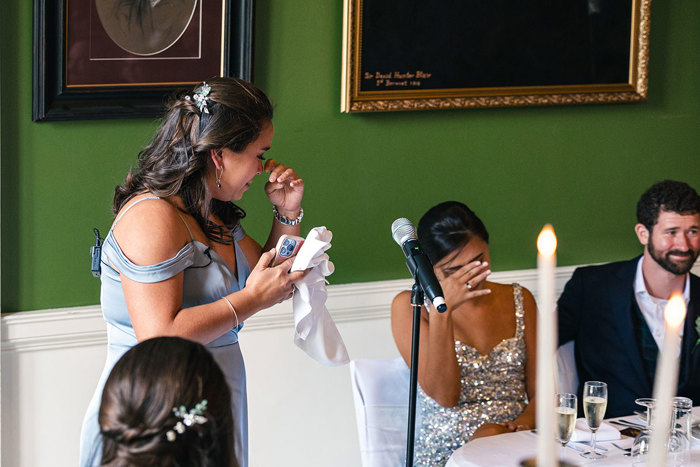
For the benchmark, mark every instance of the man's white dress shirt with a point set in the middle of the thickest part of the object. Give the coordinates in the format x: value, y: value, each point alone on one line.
x: 652, y: 308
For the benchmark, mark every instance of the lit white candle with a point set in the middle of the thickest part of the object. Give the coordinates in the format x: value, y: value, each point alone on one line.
x: 666, y: 380
x: 546, y: 347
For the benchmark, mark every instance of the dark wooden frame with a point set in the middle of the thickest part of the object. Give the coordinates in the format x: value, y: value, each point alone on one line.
x: 356, y: 99
x: 53, y: 100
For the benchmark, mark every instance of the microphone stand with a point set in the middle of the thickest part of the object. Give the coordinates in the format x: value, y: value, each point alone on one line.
x: 417, y: 300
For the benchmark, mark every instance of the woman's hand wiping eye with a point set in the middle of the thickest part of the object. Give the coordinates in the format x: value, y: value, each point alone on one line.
x: 284, y: 187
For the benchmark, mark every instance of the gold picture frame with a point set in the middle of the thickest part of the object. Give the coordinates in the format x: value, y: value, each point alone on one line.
x: 360, y: 94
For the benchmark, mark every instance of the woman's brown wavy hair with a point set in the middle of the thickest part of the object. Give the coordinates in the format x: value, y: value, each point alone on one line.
x: 175, y: 162
x: 136, y: 411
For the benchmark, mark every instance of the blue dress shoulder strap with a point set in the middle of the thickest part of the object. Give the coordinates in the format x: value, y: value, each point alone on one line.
x: 118, y: 263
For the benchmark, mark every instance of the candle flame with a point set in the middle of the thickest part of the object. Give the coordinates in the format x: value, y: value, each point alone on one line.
x: 547, y: 241
x: 675, y: 310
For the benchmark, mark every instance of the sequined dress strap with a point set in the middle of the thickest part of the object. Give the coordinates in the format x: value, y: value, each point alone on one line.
x: 519, y: 311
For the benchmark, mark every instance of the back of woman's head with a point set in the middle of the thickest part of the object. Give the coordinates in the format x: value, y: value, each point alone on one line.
x: 137, y: 419
x: 175, y: 162
x: 447, y: 227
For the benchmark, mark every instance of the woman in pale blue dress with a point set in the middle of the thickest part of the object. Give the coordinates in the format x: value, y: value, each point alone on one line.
x: 177, y: 260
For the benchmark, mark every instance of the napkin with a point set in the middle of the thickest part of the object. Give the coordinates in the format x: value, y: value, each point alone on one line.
x: 314, y: 330
x: 606, y: 432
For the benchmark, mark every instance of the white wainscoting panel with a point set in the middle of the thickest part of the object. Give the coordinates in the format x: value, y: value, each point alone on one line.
x: 301, y: 412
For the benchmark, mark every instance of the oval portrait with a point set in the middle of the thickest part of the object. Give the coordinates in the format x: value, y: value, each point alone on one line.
x: 145, y: 27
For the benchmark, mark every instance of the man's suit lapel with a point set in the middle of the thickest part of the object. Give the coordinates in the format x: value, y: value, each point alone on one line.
x: 689, y: 354
x: 621, y: 296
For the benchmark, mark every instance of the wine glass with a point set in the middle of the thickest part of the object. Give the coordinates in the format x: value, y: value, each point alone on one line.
x: 565, y: 408
x: 595, y: 400
x: 647, y: 402
x: 678, y: 438
x: 640, y: 447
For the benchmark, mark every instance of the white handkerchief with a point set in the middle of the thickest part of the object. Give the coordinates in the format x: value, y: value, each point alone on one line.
x: 315, y: 331
x: 606, y: 432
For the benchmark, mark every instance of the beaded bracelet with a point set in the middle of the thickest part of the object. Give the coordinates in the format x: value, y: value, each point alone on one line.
x: 286, y: 220
x: 232, y: 309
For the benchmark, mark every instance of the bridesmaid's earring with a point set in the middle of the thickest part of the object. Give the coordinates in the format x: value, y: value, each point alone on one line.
x: 218, y: 177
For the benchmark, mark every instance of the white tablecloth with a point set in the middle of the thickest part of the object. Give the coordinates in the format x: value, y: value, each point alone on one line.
x: 509, y: 449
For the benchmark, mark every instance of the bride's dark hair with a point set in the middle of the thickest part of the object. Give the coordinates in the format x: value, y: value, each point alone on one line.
x: 136, y: 412
x: 175, y: 162
x: 448, y: 227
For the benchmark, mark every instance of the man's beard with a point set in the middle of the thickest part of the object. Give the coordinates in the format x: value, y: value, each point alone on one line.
x: 669, y: 265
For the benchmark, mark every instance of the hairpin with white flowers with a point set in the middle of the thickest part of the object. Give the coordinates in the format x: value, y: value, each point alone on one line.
x: 194, y: 416
x: 200, y: 98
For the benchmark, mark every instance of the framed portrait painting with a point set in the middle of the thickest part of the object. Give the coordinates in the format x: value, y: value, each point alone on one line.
x: 415, y: 55
x: 97, y: 59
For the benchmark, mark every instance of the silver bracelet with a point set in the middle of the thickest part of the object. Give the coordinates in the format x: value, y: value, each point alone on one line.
x: 232, y: 309
x: 286, y: 220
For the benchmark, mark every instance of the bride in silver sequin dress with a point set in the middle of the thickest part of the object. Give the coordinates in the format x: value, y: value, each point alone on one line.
x: 476, y: 367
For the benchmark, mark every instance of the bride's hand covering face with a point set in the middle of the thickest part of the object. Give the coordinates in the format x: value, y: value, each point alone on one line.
x: 463, y: 273
x: 455, y: 285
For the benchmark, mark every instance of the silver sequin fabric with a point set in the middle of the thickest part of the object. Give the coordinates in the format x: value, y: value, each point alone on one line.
x: 493, y: 390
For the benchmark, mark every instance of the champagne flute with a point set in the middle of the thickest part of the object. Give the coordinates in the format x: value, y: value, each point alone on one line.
x: 595, y: 400
x: 565, y: 408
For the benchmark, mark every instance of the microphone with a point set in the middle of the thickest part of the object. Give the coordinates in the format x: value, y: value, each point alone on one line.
x: 404, y: 233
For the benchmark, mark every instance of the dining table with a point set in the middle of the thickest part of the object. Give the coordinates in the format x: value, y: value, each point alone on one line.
x: 510, y: 449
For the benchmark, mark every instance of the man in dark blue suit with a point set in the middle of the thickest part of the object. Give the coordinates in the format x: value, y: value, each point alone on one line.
x: 614, y: 312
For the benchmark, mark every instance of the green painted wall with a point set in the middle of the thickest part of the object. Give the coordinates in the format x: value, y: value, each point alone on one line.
x: 581, y: 168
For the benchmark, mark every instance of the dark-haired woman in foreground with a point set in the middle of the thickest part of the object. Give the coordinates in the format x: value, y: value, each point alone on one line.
x: 476, y: 368
x: 177, y: 261
x: 166, y: 403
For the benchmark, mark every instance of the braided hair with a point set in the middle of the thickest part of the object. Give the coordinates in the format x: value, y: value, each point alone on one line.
x: 136, y: 412
x: 175, y: 162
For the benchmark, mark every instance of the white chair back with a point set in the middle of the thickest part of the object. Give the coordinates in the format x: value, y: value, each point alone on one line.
x: 380, y: 391
x: 567, y: 376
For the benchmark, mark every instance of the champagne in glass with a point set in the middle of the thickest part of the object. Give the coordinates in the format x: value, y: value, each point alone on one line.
x: 595, y: 400
x: 566, y: 420
x: 594, y: 409
x: 565, y: 409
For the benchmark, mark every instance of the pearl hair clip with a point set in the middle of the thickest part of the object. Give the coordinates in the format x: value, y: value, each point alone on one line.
x: 200, y: 98
x: 194, y: 416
